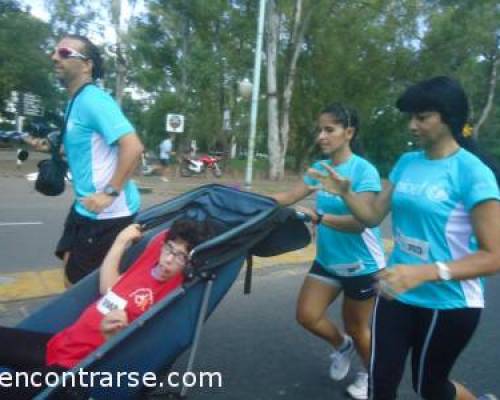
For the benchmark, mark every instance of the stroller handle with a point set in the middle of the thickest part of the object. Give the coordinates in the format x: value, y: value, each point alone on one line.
x: 303, y: 216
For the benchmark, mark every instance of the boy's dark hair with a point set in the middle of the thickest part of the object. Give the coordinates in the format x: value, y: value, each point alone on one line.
x: 348, y: 117
x: 191, y: 231
x: 91, y: 51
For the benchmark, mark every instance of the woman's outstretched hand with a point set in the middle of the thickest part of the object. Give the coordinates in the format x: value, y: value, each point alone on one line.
x: 331, y: 181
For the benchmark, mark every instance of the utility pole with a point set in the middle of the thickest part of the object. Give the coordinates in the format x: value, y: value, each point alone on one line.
x: 121, y: 28
x: 255, y: 94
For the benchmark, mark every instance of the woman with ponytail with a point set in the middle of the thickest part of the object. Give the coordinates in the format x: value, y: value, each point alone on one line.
x: 348, y: 253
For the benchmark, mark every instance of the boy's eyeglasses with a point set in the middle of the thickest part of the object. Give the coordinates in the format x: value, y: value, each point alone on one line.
x: 180, y: 257
x: 68, y: 52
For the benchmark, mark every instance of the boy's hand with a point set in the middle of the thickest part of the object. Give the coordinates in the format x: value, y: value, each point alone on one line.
x: 113, y: 322
x: 130, y: 234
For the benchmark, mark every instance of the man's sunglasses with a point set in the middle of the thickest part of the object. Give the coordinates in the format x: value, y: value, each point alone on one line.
x: 68, y: 52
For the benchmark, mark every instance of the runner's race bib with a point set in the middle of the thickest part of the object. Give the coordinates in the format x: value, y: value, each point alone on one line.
x: 111, y: 301
x: 347, y: 269
x: 415, y: 247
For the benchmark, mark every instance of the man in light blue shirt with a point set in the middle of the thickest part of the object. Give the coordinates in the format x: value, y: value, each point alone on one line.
x: 102, y: 150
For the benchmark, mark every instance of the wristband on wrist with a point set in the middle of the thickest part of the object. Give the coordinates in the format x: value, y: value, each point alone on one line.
x: 443, y: 271
x: 320, y: 217
x: 111, y: 191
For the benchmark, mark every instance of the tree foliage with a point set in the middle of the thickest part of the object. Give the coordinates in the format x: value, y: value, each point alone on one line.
x: 24, y: 64
x: 188, y: 57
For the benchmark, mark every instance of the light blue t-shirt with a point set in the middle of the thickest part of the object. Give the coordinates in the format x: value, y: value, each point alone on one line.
x: 343, y: 253
x: 431, y: 207
x: 90, y: 143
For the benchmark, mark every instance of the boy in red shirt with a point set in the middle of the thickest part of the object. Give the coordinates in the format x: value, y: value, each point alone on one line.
x: 157, y: 272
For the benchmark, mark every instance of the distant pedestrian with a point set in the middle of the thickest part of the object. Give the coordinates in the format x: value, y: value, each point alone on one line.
x: 165, y: 157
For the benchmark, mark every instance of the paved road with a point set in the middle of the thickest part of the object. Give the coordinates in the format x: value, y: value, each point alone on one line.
x: 31, y: 224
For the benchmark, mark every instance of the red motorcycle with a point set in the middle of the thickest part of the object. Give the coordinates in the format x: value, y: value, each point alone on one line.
x: 196, y: 166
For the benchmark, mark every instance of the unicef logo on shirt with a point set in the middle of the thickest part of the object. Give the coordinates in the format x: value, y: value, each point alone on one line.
x: 70, y: 125
x: 436, y: 193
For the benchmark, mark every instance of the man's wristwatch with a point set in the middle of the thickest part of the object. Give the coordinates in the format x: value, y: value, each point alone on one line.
x: 320, y: 217
x: 111, y: 191
x: 443, y: 271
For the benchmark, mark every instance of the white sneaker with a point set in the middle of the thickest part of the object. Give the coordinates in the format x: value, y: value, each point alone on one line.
x: 487, y: 397
x: 164, y: 179
x: 359, y: 388
x: 341, y: 360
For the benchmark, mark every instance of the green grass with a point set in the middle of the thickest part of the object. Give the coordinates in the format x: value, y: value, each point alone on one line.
x: 240, y: 166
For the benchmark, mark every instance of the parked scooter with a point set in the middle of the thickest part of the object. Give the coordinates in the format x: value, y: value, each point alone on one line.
x: 196, y: 166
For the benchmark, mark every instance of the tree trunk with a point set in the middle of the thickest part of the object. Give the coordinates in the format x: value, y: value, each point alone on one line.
x: 279, y: 129
x: 273, y: 137
x: 120, y: 59
x: 491, y: 94
x: 185, y: 49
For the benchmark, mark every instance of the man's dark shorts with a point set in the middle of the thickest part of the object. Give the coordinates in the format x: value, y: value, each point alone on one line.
x: 165, y: 162
x: 88, y: 242
x: 359, y: 287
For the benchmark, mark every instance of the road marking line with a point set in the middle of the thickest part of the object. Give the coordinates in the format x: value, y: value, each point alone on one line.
x: 20, y: 223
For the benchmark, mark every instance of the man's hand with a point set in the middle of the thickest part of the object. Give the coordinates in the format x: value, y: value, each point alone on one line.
x: 97, y: 202
x: 113, y: 322
x: 38, y: 144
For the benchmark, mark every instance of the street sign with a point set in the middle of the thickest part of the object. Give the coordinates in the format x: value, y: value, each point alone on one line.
x: 31, y: 105
x: 175, y: 123
x: 24, y: 104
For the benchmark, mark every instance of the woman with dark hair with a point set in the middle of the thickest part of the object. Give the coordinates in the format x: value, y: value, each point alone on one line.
x: 445, y: 218
x: 348, y: 253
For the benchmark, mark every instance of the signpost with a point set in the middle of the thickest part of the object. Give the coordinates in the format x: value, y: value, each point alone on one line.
x: 24, y: 104
x: 175, y: 123
x: 31, y: 105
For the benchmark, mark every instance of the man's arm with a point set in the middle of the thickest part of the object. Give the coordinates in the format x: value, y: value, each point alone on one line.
x: 296, y: 193
x: 109, y: 271
x: 129, y: 156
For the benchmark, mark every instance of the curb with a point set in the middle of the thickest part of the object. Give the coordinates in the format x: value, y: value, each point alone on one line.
x: 50, y: 281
